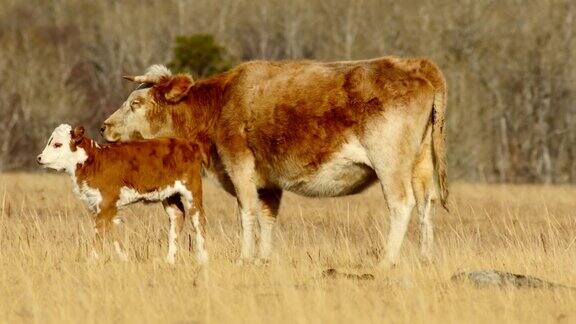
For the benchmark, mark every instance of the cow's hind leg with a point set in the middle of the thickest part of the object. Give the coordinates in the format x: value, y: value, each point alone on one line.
x: 397, y: 189
x: 392, y: 149
x: 175, y: 209
x: 425, y: 194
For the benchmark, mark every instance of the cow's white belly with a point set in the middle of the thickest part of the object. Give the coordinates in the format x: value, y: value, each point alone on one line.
x: 348, y: 171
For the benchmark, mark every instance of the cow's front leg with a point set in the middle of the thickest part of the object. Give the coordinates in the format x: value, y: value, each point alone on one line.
x: 269, y: 205
x: 248, y: 203
x: 242, y: 174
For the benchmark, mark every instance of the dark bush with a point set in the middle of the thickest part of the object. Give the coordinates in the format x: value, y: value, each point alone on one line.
x: 199, y: 55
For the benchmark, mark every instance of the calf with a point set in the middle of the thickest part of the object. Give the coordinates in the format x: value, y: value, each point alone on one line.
x: 109, y: 177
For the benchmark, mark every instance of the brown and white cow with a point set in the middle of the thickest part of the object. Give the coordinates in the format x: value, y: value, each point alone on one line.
x: 316, y: 129
x: 109, y: 177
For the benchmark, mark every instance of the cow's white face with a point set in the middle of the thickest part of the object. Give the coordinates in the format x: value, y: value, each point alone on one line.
x: 58, y: 154
x: 130, y: 120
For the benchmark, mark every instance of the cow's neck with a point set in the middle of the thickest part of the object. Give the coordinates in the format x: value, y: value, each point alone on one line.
x: 198, y: 118
x: 203, y: 106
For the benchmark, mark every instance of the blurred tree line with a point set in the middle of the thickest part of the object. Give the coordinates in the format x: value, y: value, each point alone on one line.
x: 510, y: 65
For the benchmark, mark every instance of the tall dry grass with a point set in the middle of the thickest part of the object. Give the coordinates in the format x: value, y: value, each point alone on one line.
x: 509, y: 64
x: 45, y: 276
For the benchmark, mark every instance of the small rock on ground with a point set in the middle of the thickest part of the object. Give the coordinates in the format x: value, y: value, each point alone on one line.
x: 495, y: 278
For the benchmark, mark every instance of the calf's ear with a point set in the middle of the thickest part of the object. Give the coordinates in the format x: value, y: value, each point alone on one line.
x: 205, y: 149
x: 206, y: 158
x: 77, y: 133
x: 176, y: 88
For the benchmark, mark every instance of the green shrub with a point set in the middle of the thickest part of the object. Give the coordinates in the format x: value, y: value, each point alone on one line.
x: 199, y: 55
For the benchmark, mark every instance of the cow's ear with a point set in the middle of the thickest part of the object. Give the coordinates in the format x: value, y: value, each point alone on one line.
x: 77, y: 133
x: 176, y: 88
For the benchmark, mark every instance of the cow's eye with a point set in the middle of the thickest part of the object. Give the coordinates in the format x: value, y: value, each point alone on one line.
x: 135, y: 103
x: 57, y: 145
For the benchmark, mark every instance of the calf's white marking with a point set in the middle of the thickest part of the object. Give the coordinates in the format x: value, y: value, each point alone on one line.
x: 201, y: 253
x: 129, y: 195
x: 91, y: 196
x: 172, y: 235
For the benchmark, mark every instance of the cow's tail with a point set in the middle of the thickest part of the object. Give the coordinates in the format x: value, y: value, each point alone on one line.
x: 439, y: 139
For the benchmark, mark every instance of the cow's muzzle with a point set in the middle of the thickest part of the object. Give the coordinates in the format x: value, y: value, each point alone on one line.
x: 103, y: 129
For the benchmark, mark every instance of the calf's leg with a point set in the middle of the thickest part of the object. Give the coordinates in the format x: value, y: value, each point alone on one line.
x: 193, y: 208
x: 175, y: 210
x: 199, y: 223
x: 103, y: 229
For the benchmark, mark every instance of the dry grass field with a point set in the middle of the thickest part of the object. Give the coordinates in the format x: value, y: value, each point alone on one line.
x: 46, y: 277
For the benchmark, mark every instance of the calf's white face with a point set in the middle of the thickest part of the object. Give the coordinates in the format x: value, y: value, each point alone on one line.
x: 58, y: 154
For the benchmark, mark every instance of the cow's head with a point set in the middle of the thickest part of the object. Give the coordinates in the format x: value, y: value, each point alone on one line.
x: 62, y: 151
x: 146, y: 112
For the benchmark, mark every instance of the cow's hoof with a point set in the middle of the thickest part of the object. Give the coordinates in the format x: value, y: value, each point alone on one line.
x: 170, y: 260
x: 262, y: 262
x: 203, y: 259
x: 93, y: 257
x: 426, y: 261
x: 244, y: 262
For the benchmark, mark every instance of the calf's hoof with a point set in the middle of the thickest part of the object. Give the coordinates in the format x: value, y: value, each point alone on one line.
x: 386, y: 265
x: 122, y: 255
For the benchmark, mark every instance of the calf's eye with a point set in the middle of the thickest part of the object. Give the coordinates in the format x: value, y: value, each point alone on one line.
x: 57, y: 145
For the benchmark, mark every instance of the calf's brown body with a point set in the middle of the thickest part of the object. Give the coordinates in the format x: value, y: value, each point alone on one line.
x: 166, y: 170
